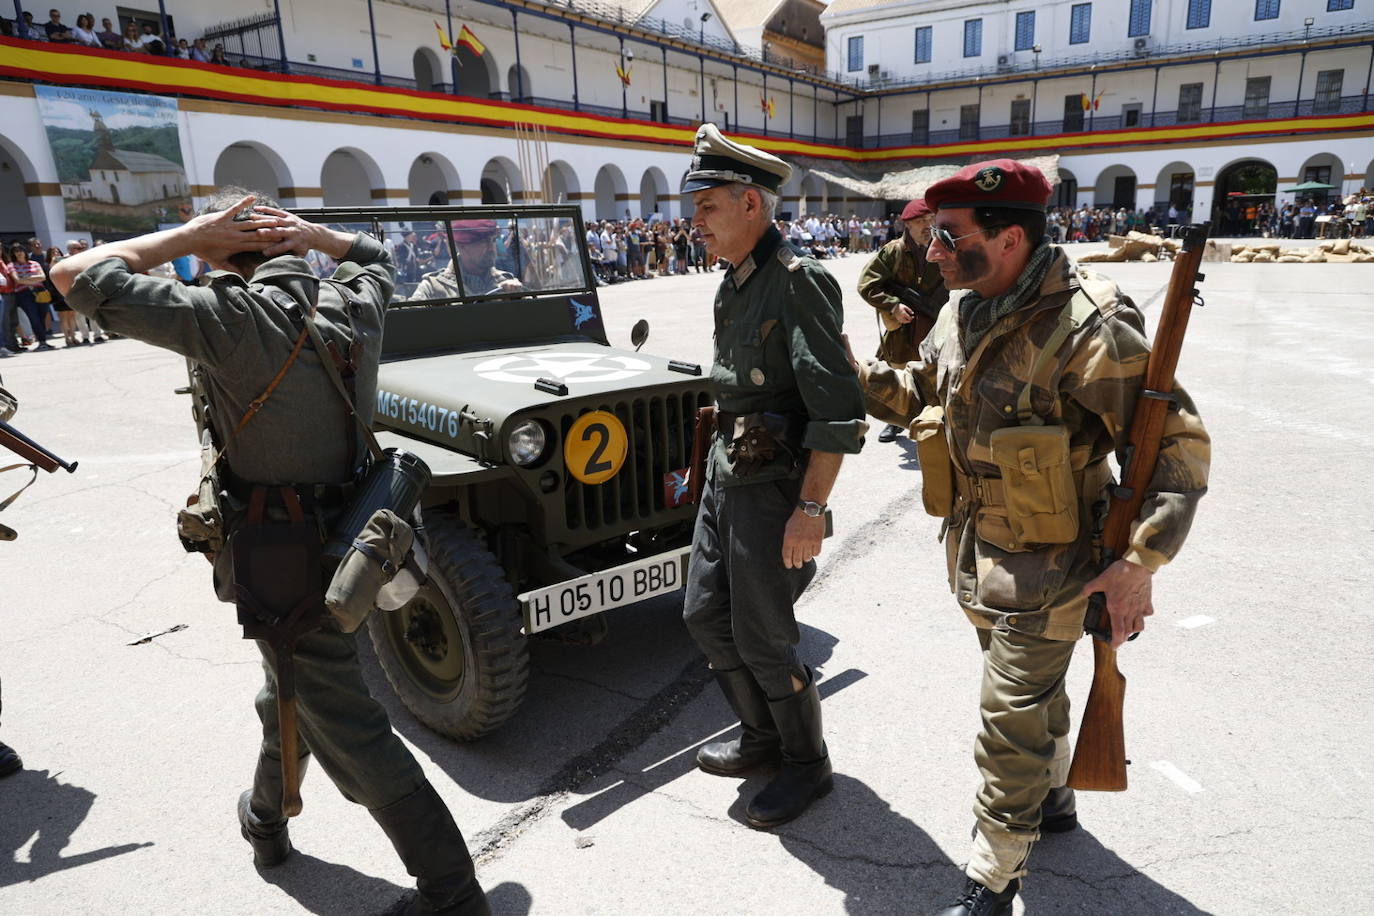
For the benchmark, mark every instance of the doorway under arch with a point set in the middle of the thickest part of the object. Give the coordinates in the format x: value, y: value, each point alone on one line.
x: 1241, y: 187
x: 253, y: 166
x: 611, y: 190
x: 348, y: 177
x: 518, y: 84
x: 429, y: 72
x: 476, y: 75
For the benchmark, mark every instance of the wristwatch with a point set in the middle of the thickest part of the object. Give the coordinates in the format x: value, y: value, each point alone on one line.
x: 810, y: 509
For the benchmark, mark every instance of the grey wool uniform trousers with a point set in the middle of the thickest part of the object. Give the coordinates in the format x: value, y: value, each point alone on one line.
x: 740, y: 595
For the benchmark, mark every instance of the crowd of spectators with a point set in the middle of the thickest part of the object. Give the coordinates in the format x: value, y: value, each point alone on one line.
x: 31, y: 307
x: 1309, y: 218
x: 135, y: 37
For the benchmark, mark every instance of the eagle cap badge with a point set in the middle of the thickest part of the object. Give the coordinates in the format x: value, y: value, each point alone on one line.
x: 988, y: 179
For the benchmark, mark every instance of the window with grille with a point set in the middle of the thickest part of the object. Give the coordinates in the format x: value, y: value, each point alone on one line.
x: 1020, y: 117
x: 968, y: 122
x: 1199, y: 14
x: 973, y: 38
x: 1080, y: 22
x: 1189, y: 102
x: 1257, y: 97
x: 1138, y: 23
x: 1025, y: 31
x: 1328, y: 97
x: 856, y: 53
x: 923, y: 45
x: 1266, y: 9
x: 920, y: 128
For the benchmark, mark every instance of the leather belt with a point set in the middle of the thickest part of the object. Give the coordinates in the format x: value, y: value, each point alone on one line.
x: 311, y: 495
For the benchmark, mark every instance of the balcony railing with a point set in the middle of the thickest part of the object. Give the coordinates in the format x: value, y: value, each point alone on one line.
x: 1222, y: 114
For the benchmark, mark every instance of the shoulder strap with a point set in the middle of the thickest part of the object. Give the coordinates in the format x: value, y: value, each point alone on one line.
x: 1071, y: 316
x: 327, y: 357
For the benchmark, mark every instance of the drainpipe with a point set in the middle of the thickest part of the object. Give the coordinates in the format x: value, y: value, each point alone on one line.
x: 572, y: 43
x: 281, y: 38
x: 376, y: 59
x: 519, y: 70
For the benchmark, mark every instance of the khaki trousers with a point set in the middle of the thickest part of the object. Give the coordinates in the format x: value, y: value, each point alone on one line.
x: 1022, y: 749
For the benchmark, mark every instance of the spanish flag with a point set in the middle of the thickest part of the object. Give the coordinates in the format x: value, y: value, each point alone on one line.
x: 1098, y: 101
x: 443, y: 38
x: 623, y: 73
x: 470, y: 41
x: 1087, y: 102
x: 766, y: 106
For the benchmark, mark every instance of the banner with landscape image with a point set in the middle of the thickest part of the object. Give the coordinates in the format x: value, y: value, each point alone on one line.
x: 118, y: 159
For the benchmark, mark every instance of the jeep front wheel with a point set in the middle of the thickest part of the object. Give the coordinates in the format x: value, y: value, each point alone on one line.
x: 455, y: 654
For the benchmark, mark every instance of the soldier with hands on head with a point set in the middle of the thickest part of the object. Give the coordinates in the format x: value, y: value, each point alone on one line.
x: 1029, y: 383
x: 473, y: 272
x: 788, y: 410
x: 907, y: 290
x: 302, y: 452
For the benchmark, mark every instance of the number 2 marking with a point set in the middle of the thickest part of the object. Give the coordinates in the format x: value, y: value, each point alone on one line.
x: 594, y: 464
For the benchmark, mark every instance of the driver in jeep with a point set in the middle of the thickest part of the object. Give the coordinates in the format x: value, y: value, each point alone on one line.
x: 475, y: 241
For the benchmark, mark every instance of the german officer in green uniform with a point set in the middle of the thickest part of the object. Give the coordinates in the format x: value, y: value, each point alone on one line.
x: 1029, y: 382
x: 789, y: 409
x: 241, y: 328
x: 907, y: 290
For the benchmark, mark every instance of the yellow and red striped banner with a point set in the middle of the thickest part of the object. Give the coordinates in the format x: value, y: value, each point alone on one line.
x: 41, y: 62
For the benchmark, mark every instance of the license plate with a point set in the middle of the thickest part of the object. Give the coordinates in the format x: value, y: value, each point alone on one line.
x: 612, y: 588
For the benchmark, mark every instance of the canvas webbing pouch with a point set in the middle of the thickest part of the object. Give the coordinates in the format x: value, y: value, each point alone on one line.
x: 937, y: 471
x: 277, y: 573
x: 383, y: 569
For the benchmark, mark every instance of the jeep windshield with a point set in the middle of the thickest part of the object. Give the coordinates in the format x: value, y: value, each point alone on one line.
x: 473, y: 254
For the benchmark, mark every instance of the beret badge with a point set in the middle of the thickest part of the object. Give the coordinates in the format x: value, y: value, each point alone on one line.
x: 988, y: 179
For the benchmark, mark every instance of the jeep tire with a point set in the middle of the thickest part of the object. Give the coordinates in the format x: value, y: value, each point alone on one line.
x: 455, y: 654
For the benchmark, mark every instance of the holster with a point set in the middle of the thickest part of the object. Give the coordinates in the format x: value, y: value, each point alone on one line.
x: 755, y: 439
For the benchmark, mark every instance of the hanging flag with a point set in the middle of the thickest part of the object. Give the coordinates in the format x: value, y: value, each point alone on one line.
x: 623, y: 73
x: 467, y: 39
x: 443, y: 38
x: 766, y: 106
x: 1087, y: 103
x: 1098, y: 101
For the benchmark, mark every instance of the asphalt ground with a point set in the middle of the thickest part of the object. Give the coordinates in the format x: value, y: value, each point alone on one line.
x: 1248, y: 706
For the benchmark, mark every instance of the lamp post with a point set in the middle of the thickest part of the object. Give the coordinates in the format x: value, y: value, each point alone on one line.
x: 1036, y: 49
x: 626, y: 59
x: 701, y: 34
x: 1307, y: 29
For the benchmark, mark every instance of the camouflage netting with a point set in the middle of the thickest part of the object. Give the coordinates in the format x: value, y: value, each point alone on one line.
x: 869, y: 180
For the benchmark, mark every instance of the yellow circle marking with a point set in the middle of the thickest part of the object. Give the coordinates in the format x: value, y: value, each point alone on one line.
x: 595, y: 447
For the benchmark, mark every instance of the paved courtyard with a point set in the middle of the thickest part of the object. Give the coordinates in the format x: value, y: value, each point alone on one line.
x: 1248, y: 708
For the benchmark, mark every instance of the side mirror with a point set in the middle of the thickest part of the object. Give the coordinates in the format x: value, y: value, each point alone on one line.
x: 639, y: 333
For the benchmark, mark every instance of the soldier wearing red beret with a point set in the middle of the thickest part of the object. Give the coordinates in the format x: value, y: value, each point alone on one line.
x: 475, y: 263
x: 907, y: 291
x: 1026, y: 387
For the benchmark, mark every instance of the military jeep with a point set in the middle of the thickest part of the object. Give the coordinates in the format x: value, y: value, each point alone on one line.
x: 559, y: 462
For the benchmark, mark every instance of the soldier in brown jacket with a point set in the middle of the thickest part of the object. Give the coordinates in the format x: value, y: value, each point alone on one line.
x: 1024, y: 389
x: 907, y: 290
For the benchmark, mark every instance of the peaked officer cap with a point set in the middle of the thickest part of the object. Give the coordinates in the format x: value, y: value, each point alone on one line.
x: 717, y: 161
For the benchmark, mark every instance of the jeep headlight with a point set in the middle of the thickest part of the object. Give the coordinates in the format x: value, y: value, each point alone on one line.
x: 527, y: 442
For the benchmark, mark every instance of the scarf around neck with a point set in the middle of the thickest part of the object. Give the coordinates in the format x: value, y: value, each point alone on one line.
x: 977, y: 315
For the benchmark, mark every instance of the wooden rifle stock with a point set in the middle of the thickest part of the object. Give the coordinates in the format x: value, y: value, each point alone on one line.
x: 1099, y: 759
x: 31, y: 451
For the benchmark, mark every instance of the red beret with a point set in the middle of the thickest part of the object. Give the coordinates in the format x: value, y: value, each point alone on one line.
x: 998, y: 183
x: 917, y: 207
x: 466, y: 231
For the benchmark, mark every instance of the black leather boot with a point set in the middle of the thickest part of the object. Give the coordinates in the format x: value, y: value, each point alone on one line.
x: 260, y: 817
x: 9, y: 760
x: 805, y: 774
x: 977, y: 900
x: 1059, y: 811
x: 434, y: 852
x: 759, y: 742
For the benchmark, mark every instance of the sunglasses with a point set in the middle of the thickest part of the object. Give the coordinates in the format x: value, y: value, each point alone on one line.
x: 948, y: 241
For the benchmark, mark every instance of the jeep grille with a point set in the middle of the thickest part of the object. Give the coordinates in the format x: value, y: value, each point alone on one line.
x: 660, y: 432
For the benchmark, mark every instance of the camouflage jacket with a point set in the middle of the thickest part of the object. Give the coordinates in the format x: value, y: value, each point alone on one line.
x: 1093, y: 386
x: 903, y: 263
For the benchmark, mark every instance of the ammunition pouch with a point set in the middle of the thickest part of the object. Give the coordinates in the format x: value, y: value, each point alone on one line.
x: 755, y: 439
x: 937, y: 470
x: 200, y: 526
x: 1040, y: 498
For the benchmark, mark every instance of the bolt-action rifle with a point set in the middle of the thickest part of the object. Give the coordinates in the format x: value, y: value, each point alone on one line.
x: 1099, y: 760
x: 35, y: 456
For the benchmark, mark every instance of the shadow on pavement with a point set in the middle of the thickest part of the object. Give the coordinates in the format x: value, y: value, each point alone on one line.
x: 37, y: 806
x: 1074, y: 873
x: 883, y: 862
x: 909, y: 462
x: 330, y: 888
x: 602, y: 805
x: 509, y: 899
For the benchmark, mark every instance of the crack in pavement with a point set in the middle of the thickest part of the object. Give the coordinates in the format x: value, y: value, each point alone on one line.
x: 543, y: 672
x: 636, y: 728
